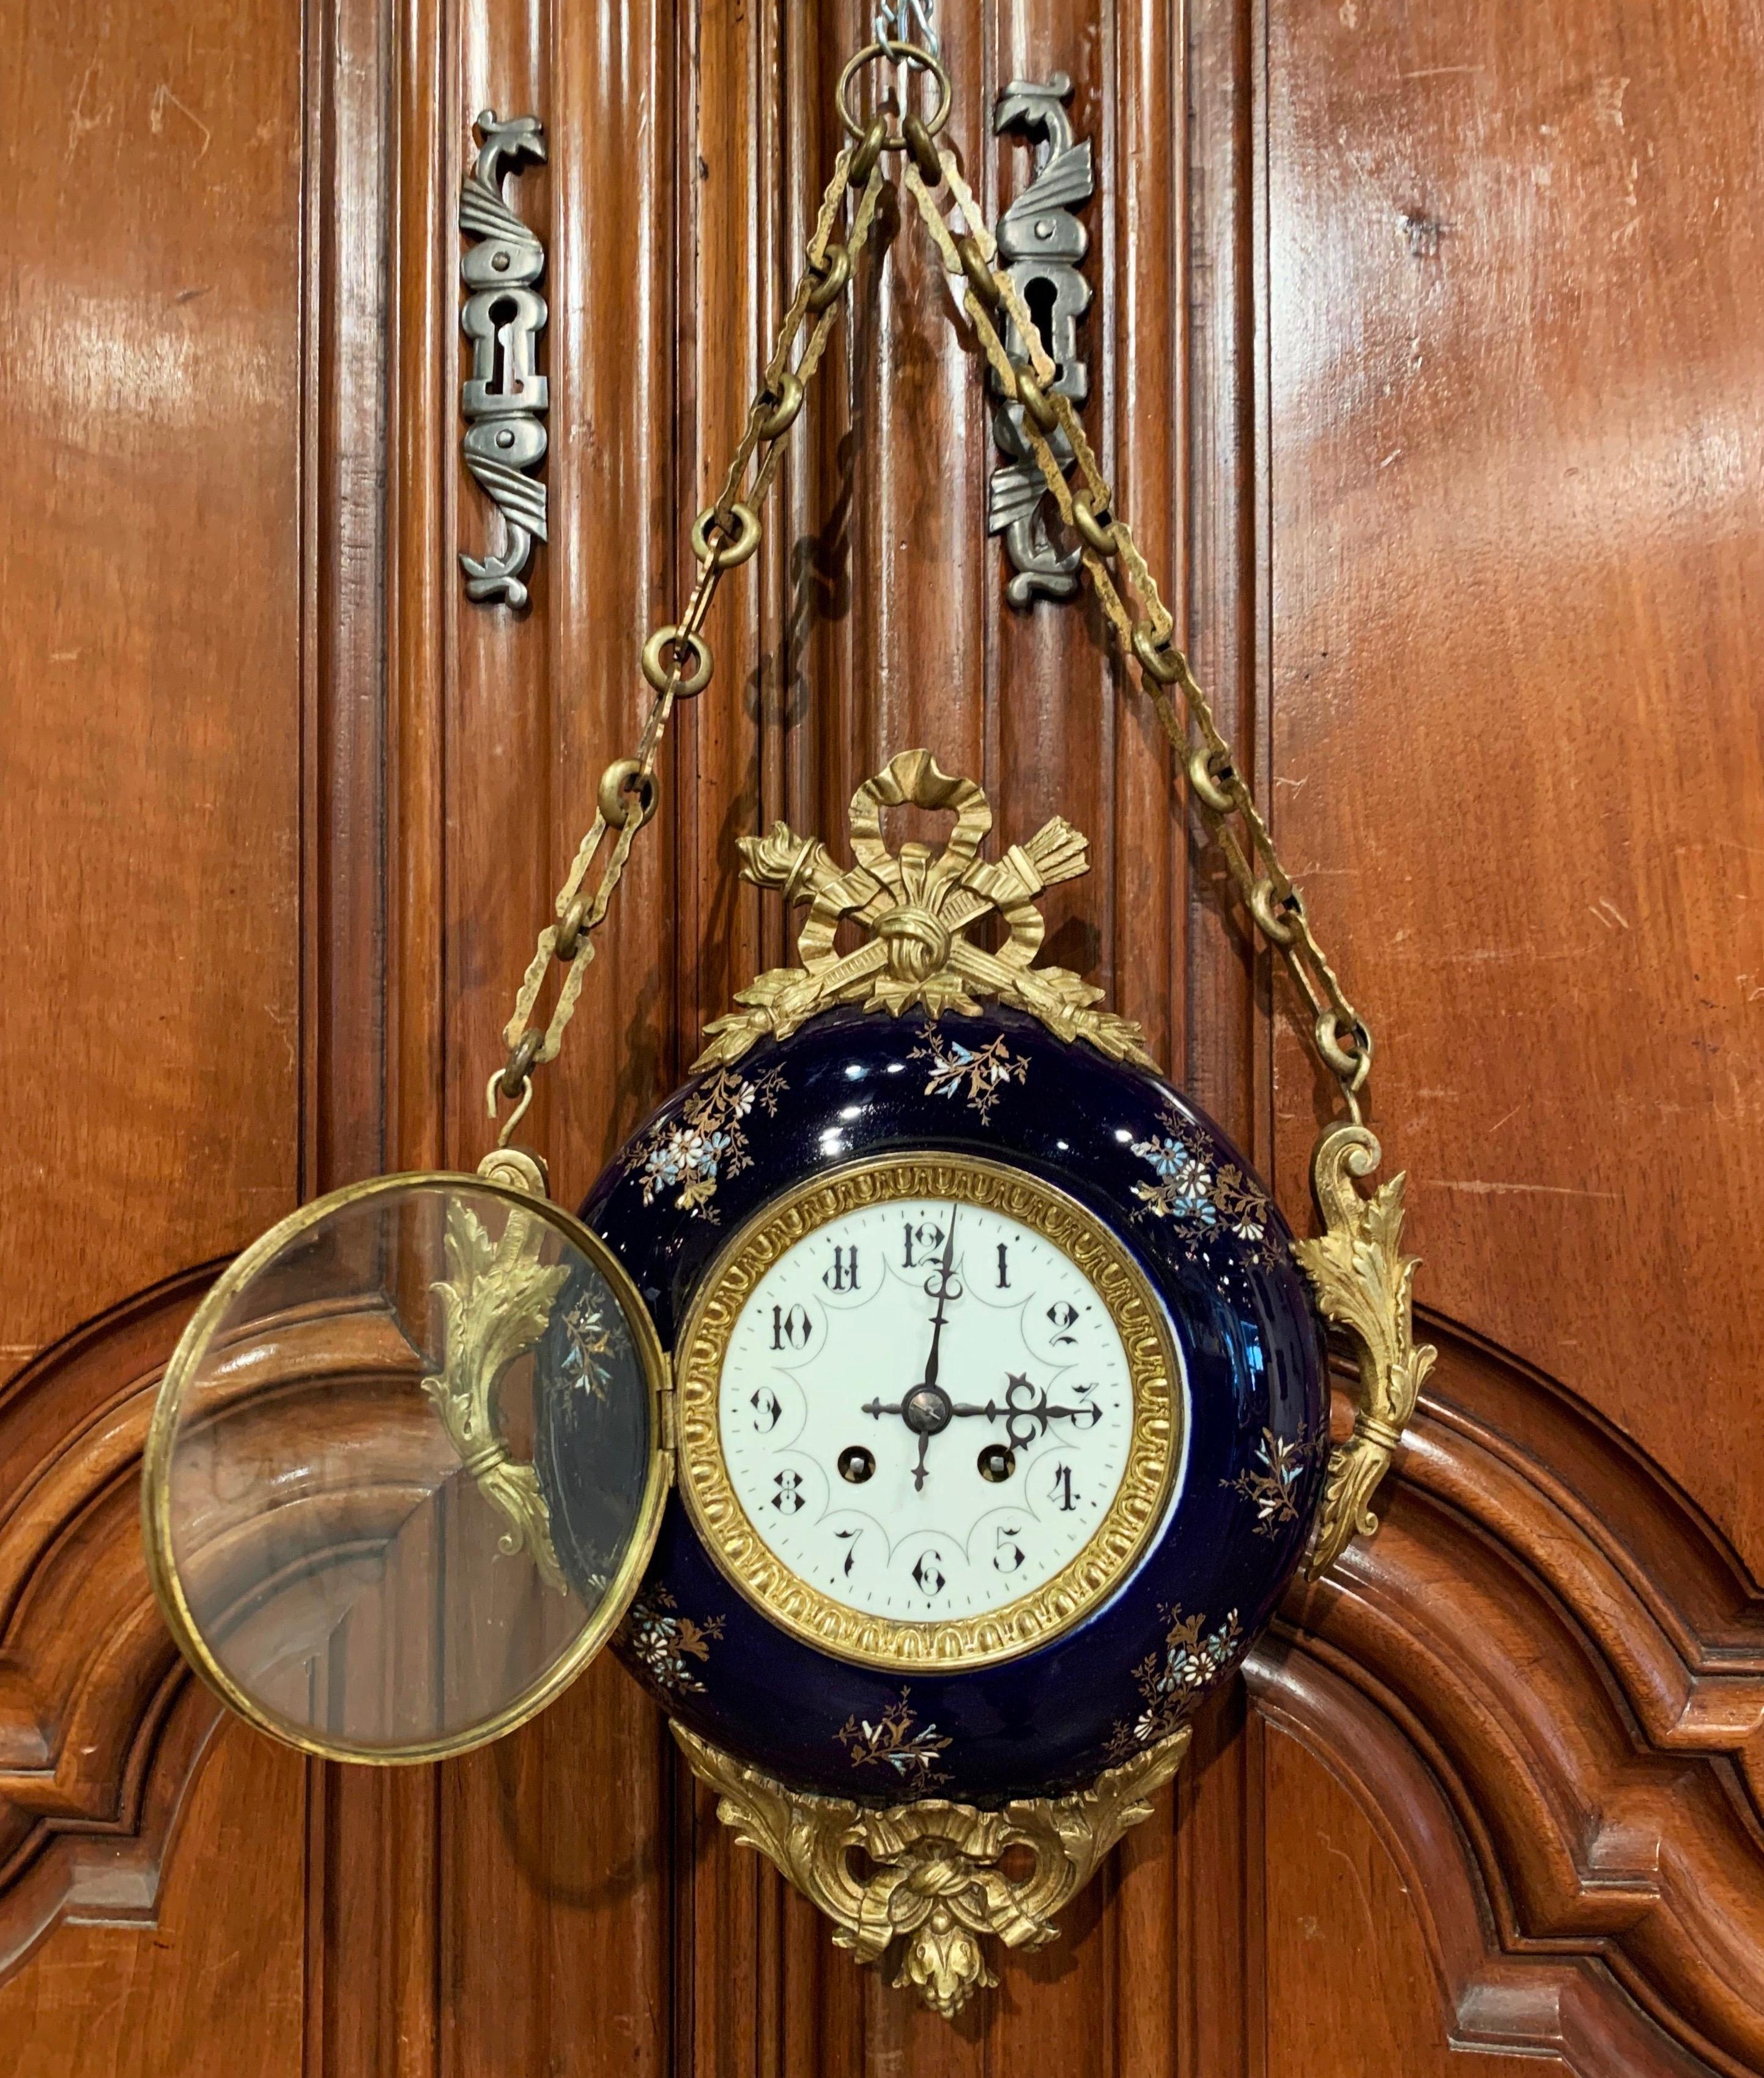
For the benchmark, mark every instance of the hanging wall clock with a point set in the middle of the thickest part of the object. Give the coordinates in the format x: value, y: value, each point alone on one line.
x: 928, y: 1404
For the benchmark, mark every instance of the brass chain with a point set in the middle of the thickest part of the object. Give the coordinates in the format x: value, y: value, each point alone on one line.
x: 1343, y: 1039
x: 678, y: 660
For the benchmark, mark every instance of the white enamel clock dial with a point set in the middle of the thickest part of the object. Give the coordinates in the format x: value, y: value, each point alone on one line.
x: 926, y: 1409
x: 927, y: 1412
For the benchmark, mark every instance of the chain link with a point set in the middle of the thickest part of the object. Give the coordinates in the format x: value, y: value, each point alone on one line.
x: 678, y: 662
x: 1341, y: 1037
x: 910, y: 21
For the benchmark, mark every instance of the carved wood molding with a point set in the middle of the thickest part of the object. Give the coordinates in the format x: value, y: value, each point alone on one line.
x: 1527, y: 2000
x: 100, y: 1727
x: 1544, y: 1680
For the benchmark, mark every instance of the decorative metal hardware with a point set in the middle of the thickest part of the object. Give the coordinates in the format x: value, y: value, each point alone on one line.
x: 497, y: 1305
x: 939, y: 1876
x: 504, y: 400
x: 910, y: 21
x: 1364, y: 1284
x: 1040, y: 245
x: 916, y: 911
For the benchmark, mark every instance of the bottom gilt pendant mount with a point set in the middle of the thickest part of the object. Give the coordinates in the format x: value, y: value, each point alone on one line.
x: 932, y: 1881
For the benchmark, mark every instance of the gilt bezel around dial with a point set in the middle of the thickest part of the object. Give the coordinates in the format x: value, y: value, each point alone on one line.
x: 1154, y: 1454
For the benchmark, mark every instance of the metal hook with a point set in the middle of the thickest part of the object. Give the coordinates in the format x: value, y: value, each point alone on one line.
x: 520, y: 1110
x: 909, y: 22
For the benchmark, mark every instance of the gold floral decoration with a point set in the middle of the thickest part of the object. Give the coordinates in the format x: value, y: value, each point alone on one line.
x: 893, y: 1743
x: 496, y: 1306
x: 588, y: 1340
x: 1271, y: 1485
x: 1203, y: 1197
x: 915, y: 910
x: 934, y: 1873
x: 1364, y: 1283
x: 1172, y: 1683
x: 664, y: 1642
x: 977, y: 1073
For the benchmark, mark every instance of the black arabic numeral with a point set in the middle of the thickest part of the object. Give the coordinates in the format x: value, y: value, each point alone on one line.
x: 843, y: 1276
x: 1008, y: 1555
x: 1062, y: 1490
x: 788, y: 1493
x: 791, y: 1330
x: 923, y: 1243
x: 848, y: 1538
x: 766, y: 1410
x: 1063, y: 1318
x: 1004, y: 1266
x: 929, y: 1574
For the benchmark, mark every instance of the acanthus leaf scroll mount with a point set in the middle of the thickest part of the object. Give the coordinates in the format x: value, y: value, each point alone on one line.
x: 504, y: 399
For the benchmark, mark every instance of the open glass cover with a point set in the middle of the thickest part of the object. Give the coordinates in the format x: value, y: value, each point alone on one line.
x: 404, y: 1474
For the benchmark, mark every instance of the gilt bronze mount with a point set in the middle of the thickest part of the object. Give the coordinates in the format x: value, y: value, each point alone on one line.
x: 940, y: 1878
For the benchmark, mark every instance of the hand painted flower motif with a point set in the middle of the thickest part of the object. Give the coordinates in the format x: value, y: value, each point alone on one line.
x: 1184, y: 1188
x: 1200, y: 1200
x: 663, y: 1641
x: 706, y: 1142
x: 893, y: 1744
x: 1173, y: 1684
x: 1272, y: 1484
x: 588, y: 1342
x: 1240, y: 1205
x: 978, y: 1073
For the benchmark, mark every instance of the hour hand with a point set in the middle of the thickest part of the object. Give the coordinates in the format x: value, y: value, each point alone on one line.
x: 876, y: 1411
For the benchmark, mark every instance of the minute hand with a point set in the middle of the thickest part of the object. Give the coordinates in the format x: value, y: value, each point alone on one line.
x: 1027, y: 1415
x: 943, y: 1288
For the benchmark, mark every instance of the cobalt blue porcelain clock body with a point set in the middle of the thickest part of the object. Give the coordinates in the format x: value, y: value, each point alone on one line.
x: 1094, y: 1247
x: 999, y: 1407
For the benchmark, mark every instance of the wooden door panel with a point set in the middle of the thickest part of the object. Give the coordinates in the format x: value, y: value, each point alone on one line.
x: 149, y: 768
x: 214, y: 1981
x: 1341, y: 1918
x: 1505, y: 632
x: 1422, y: 357
x: 1514, y: 671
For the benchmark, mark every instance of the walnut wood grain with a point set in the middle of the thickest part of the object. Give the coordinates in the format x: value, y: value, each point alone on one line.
x: 204, y: 1974
x: 551, y: 1892
x: 150, y: 759
x: 101, y: 1729
x: 1514, y: 671
x: 1390, y: 1867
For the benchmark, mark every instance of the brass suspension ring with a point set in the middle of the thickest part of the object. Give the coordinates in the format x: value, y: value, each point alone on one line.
x: 910, y: 54
x: 1096, y: 528
x: 1279, y: 915
x: 1351, y: 1065
x: 619, y: 785
x: 741, y: 531
x: 785, y: 398
x: 512, y: 1080
x: 664, y: 662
